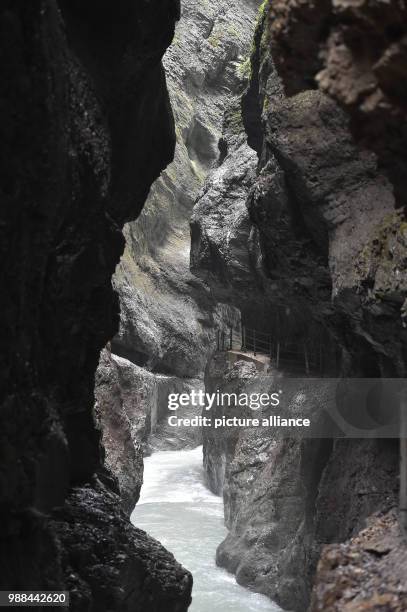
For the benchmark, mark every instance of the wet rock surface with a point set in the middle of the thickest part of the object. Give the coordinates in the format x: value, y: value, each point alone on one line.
x: 110, y: 564
x: 285, y: 495
x: 327, y: 269
x: 132, y: 413
x: 78, y: 158
x: 224, y: 243
x: 169, y: 317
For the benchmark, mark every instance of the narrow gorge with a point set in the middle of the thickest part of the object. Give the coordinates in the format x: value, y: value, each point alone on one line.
x: 205, y: 197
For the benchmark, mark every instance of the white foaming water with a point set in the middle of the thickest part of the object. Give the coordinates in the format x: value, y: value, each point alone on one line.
x: 177, y: 509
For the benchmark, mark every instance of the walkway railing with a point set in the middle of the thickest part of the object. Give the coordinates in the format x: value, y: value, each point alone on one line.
x: 249, y: 340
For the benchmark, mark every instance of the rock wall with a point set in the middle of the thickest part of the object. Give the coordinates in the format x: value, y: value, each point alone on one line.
x: 130, y: 409
x: 123, y: 401
x: 224, y: 243
x: 319, y: 241
x: 286, y: 497
x: 356, y: 52
x: 86, y: 129
x: 169, y: 317
x: 351, y: 575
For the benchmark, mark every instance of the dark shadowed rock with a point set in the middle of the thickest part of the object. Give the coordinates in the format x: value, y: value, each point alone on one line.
x: 110, y: 564
x: 86, y: 128
x: 350, y: 576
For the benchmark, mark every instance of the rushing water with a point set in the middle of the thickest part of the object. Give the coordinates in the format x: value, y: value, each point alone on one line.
x: 177, y: 509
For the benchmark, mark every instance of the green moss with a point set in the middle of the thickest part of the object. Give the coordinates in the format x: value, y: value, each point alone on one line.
x: 214, y: 40
x: 266, y: 104
x: 176, y: 40
x: 262, y: 8
x: 265, y: 38
x: 171, y: 172
x: 244, y: 69
x: 232, y: 31
x: 260, y: 34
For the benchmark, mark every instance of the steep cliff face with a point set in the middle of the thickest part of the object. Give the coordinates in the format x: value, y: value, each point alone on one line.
x: 131, y: 406
x: 169, y: 317
x: 327, y: 240
x: 224, y: 243
x: 160, y: 329
x: 123, y: 400
x: 324, y: 244
x: 345, y: 205
x: 285, y: 497
x: 356, y: 52
x: 86, y: 129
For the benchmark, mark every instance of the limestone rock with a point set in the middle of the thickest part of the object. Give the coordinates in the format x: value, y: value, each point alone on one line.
x: 158, y: 329
x: 131, y: 409
x: 328, y: 269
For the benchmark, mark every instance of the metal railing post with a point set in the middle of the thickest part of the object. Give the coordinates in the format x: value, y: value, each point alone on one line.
x: 218, y: 340
x: 231, y: 338
x: 254, y: 342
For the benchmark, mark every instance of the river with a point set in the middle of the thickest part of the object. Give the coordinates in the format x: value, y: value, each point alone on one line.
x: 176, y: 508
